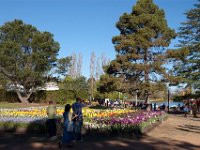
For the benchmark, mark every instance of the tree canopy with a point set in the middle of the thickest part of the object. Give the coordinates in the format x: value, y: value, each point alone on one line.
x: 140, y: 47
x: 26, y: 56
x: 78, y: 86
x: 186, y: 59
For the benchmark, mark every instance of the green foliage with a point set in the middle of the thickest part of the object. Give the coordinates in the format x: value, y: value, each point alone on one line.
x: 186, y: 58
x: 107, y: 84
x: 7, y: 96
x: 140, y: 47
x: 178, y: 54
x: 26, y: 55
x: 60, y: 97
x: 63, y: 65
x: 77, y: 86
x: 3, y: 81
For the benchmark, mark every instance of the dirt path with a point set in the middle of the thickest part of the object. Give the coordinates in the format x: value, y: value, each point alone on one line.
x: 179, y: 128
x: 176, y: 133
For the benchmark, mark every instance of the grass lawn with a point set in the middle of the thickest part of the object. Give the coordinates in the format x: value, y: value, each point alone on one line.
x: 20, y: 105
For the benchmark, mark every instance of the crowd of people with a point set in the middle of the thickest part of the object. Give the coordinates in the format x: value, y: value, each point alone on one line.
x: 187, y: 104
x: 72, y: 123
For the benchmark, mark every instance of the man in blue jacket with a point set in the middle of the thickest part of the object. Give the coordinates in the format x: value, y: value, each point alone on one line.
x: 78, y: 120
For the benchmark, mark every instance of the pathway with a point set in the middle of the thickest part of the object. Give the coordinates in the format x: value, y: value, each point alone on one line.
x: 176, y: 133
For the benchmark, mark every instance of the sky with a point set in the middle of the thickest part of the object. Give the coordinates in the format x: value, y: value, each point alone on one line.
x: 84, y: 26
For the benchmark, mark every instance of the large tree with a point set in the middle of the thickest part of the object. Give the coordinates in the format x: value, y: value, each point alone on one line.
x: 26, y: 56
x: 107, y: 84
x: 140, y: 47
x: 186, y: 58
x: 77, y: 86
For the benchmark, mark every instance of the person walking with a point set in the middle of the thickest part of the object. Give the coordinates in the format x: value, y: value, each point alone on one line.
x: 51, y: 122
x: 186, y: 110
x: 194, y: 109
x: 68, y: 127
x: 78, y: 118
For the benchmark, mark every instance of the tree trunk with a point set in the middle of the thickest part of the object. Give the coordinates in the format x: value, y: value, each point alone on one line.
x: 146, y: 71
x: 23, y: 99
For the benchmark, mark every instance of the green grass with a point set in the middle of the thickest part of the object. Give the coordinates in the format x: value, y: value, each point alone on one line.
x: 8, y: 105
x: 19, y: 105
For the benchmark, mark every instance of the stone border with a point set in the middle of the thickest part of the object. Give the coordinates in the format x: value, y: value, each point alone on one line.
x: 149, y: 128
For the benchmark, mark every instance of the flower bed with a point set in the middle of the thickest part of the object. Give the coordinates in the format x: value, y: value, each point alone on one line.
x: 31, y: 118
x: 111, y: 121
x: 125, y: 123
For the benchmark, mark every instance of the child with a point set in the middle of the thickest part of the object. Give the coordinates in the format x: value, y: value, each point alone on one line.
x: 68, y: 128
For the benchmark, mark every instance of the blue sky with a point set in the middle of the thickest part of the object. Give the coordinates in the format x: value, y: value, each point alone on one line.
x: 83, y: 26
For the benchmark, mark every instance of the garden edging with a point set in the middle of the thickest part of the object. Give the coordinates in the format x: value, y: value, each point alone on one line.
x: 149, y: 128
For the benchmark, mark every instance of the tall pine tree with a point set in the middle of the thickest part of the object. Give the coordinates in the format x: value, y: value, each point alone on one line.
x: 187, y: 56
x: 140, y: 47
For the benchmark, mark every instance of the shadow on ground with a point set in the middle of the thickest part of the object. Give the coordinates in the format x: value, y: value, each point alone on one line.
x: 14, y: 141
x: 20, y: 140
x: 189, y: 128
x: 38, y: 127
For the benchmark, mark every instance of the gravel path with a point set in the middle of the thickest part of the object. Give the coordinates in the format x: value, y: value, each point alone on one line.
x: 176, y: 133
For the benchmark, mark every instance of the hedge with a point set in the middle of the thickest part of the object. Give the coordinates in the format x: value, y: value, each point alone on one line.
x: 60, y: 96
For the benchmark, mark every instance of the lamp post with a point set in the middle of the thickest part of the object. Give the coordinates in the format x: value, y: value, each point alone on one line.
x: 136, y: 92
x: 148, y: 103
x: 168, y: 94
